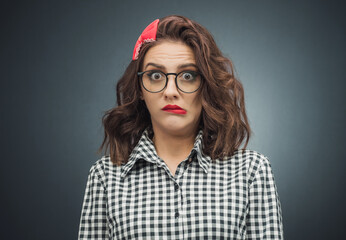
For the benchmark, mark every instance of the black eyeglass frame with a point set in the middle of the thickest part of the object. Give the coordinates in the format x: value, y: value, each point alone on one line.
x: 140, y: 74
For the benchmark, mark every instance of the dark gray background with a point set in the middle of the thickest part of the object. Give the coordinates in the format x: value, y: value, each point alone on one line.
x: 60, y: 61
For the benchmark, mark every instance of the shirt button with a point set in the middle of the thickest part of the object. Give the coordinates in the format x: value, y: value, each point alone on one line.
x: 176, y: 187
x: 176, y: 214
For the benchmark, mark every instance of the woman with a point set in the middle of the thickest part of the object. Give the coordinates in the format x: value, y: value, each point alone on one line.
x: 175, y: 170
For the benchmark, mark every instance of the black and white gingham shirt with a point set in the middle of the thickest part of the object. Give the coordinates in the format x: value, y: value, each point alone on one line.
x: 235, y: 198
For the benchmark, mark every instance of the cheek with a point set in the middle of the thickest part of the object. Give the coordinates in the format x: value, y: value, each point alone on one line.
x: 197, y: 106
x: 199, y: 111
x: 150, y: 103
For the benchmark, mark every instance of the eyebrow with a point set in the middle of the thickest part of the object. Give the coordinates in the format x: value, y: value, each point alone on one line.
x: 179, y: 66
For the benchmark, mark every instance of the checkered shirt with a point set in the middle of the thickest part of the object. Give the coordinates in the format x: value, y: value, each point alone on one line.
x: 231, y: 198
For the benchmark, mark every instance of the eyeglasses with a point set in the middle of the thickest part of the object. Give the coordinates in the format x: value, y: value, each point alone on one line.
x: 155, y: 81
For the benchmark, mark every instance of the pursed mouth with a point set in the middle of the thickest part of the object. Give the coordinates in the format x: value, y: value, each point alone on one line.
x: 175, y: 111
x: 172, y: 107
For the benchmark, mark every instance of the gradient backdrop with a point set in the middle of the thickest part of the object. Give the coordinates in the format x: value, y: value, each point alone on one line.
x: 60, y: 61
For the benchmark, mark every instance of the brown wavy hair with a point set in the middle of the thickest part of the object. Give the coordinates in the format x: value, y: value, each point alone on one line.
x: 223, y: 118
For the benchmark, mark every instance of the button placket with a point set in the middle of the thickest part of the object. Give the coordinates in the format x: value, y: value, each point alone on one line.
x: 176, y: 187
x: 176, y: 214
x: 178, y: 199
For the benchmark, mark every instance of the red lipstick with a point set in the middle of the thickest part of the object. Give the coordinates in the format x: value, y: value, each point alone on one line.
x: 174, y: 109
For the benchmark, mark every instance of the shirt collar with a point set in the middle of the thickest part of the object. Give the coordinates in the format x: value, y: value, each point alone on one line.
x: 145, y: 149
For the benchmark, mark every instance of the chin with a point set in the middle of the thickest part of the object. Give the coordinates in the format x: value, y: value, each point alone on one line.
x: 178, y: 128
x: 173, y: 126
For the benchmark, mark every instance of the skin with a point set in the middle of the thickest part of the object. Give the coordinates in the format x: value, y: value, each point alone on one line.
x: 174, y: 134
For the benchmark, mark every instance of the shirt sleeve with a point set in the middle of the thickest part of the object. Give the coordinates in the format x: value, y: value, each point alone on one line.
x: 264, y: 218
x: 94, y: 219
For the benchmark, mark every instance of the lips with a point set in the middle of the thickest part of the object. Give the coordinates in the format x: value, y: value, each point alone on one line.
x: 174, y: 109
x: 171, y: 107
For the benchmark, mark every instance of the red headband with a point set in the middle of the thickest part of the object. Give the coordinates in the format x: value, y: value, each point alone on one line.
x: 148, y: 35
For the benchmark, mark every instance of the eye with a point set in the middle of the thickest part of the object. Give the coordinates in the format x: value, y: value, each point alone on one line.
x: 155, y: 75
x: 188, y: 76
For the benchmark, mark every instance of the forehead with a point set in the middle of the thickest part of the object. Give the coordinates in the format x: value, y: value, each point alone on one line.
x: 169, y: 54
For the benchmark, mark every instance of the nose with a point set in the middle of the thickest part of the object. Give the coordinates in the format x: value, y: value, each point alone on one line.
x: 171, y: 90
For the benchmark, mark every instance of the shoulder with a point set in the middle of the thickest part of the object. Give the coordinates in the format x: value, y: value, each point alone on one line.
x: 102, y: 168
x: 249, y: 161
x: 98, y: 167
x: 250, y: 157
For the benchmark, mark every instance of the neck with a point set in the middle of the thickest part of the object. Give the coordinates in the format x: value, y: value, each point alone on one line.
x: 173, y: 148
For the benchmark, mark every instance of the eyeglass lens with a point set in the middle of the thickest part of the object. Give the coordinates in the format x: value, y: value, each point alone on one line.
x: 155, y: 81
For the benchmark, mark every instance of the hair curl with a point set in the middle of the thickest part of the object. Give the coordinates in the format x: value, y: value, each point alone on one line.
x: 223, y: 118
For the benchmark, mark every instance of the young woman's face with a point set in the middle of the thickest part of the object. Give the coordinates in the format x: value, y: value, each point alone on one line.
x: 167, y: 57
